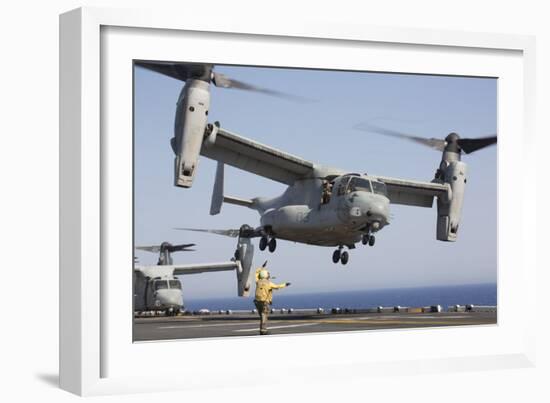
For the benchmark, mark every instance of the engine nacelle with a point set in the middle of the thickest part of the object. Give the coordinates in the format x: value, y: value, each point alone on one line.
x: 454, y: 173
x: 244, y: 254
x: 191, y: 117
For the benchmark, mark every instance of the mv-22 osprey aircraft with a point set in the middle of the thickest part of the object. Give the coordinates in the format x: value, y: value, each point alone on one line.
x: 321, y: 206
x: 156, y: 287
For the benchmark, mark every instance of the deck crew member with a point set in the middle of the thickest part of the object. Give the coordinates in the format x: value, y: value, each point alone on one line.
x: 264, y: 295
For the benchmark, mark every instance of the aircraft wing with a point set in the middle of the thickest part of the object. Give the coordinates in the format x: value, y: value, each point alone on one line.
x: 257, y: 158
x: 180, y: 269
x: 414, y: 193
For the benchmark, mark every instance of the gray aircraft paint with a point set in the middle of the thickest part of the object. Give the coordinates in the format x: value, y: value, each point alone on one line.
x: 147, y: 296
x: 298, y: 214
x: 191, y: 115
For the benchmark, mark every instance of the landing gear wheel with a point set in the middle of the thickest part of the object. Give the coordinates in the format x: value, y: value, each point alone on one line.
x: 372, y: 239
x: 344, y: 258
x: 263, y: 243
x: 365, y: 239
x: 272, y: 245
x: 336, y: 256
x: 237, y: 255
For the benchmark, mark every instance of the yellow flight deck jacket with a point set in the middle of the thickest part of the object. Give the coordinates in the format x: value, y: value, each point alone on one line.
x: 264, y: 288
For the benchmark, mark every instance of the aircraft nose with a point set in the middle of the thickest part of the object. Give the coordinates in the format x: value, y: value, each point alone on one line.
x: 378, y: 211
x: 169, y: 297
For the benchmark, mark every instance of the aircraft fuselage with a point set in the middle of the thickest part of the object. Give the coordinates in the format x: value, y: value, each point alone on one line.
x: 303, y: 214
x: 158, y: 290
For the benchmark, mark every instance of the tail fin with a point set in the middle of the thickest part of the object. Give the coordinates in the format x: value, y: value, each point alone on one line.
x: 217, y: 194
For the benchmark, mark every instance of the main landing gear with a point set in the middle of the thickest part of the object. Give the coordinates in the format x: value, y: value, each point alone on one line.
x: 172, y: 312
x: 368, y: 239
x: 270, y: 244
x: 339, y: 256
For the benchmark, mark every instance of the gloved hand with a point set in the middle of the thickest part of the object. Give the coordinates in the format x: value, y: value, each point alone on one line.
x: 287, y: 284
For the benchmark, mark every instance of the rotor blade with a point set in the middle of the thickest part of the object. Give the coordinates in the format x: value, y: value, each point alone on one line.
x: 179, y: 71
x: 233, y: 233
x: 436, y: 144
x: 471, y: 145
x: 154, y: 249
x: 223, y: 81
x: 182, y: 248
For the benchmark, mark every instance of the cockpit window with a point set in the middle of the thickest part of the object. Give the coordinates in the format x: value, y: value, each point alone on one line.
x: 380, y: 188
x: 160, y: 284
x: 175, y: 284
x: 359, y: 185
x: 343, y: 185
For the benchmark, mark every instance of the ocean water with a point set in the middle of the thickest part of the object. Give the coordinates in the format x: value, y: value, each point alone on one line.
x: 476, y: 294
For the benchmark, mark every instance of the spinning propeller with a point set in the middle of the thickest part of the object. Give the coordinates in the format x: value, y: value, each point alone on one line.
x: 165, y: 250
x: 452, y: 142
x: 205, y: 72
x: 165, y: 246
x: 246, y: 231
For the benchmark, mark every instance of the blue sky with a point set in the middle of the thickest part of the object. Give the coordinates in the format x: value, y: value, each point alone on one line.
x: 406, y: 253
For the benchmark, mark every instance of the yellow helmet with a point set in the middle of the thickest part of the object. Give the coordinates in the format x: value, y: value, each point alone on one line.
x: 264, y: 274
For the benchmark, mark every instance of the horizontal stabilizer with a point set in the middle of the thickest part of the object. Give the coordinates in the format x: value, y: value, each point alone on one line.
x: 238, y: 201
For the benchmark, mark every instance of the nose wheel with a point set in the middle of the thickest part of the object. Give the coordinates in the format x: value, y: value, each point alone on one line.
x: 270, y: 244
x: 344, y: 257
x: 340, y: 256
x: 368, y: 239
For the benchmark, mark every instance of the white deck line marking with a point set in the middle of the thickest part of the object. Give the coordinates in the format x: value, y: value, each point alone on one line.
x: 411, y: 316
x: 207, y: 325
x: 276, y: 327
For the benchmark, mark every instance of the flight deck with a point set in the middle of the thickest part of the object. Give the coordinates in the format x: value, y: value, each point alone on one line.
x: 247, y: 323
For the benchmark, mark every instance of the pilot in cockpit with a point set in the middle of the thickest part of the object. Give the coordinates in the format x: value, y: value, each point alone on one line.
x: 326, y: 192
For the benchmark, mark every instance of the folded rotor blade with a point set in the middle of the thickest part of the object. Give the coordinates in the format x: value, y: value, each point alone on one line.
x: 223, y: 81
x: 471, y: 145
x: 233, y: 233
x: 436, y: 144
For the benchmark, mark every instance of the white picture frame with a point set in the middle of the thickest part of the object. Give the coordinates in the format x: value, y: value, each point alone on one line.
x: 96, y: 355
